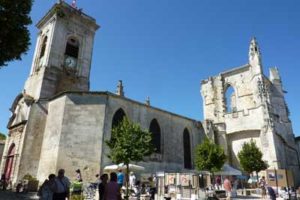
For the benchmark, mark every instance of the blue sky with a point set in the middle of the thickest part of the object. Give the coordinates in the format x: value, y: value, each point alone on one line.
x: 164, y: 48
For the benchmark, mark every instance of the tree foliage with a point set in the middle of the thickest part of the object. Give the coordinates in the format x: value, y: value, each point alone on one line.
x: 129, y: 143
x: 250, y: 158
x: 209, y: 156
x: 2, y: 136
x: 14, y: 35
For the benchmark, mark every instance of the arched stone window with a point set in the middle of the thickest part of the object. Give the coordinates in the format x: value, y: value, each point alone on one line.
x: 230, y: 99
x: 43, y: 47
x: 9, y: 161
x: 156, y: 138
x: 72, y: 47
x: 118, y: 117
x: 187, y: 149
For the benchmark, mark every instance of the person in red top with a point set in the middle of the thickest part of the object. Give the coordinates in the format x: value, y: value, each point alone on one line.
x: 218, y: 182
x: 227, y: 187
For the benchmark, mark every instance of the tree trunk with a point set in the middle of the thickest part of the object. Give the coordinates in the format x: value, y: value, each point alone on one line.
x: 213, y: 180
x: 127, y: 181
x: 257, y: 183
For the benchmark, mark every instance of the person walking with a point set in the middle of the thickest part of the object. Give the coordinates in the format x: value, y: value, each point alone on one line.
x: 152, y: 187
x: 272, y: 193
x: 62, y: 186
x: 262, y: 185
x: 132, y: 180
x: 218, y: 182
x: 102, y: 186
x: 78, y: 175
x: 112, y: 189
x: 47, y: 188
x: 3, y: 182
x: 120, y: 177
x: 227, y: 187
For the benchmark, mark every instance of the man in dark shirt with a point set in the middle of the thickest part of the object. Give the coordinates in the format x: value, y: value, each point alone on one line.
x: 272, y: 193
x: 104, y: 179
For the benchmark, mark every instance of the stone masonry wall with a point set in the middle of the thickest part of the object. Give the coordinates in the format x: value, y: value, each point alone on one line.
x: 81, y: 140
x: 33, y: 138
x: 51, y: 139
x: 171, y: 125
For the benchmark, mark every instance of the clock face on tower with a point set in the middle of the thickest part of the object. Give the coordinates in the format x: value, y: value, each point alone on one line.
x: 70, y: 62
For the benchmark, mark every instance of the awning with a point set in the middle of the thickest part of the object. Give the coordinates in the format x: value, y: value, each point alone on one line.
x: 228, y: 170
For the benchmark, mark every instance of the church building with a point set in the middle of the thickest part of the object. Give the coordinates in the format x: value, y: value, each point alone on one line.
x: 57, y: 122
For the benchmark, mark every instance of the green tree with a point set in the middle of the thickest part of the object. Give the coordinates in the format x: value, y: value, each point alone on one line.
x: 14, y: 34
x: 209, y: 157
x: 250, y: 158
x: 129, y: 143
x: 2, y: 136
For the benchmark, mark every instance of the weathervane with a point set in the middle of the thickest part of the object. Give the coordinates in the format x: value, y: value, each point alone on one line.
x: 74, y: 4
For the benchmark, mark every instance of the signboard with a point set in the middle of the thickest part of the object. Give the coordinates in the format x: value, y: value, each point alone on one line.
x: 185, y: 180
x: 170, y: 179
x: 279, y: 178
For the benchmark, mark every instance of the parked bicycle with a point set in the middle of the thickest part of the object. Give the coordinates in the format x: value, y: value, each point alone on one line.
x: 89, y: 191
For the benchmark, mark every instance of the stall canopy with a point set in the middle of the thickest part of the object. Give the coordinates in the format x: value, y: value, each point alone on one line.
x: 114, y: 168
x: 252, y: 179
x: 227, y: 170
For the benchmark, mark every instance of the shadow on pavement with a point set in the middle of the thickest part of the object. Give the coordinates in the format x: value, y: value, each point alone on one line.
x: 246, y: 197
x: 10, y: 195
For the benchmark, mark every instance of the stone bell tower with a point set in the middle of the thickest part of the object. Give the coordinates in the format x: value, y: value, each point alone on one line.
x: 63, y: 53
x: 61, y: 62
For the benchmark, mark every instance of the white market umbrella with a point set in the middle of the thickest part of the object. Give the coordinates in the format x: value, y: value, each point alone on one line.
x: 227, y: 170
x: 132, y: 167
x: 252, y: 179
x: 111, y: 168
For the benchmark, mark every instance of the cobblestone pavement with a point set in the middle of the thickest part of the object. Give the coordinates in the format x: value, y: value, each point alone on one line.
x: 9, y: 195
x: 248, y: 197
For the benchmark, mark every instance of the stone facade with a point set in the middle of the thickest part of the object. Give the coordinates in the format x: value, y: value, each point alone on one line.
x: 75, y: 139
x: 69, y: 130
x: 57, y: 123
x: 2, y: 145
x: 243, y: 104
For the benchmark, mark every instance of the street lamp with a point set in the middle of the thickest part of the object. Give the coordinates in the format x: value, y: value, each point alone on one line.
x: 275, y: 171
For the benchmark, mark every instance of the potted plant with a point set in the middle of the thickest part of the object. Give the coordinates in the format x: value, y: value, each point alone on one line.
x: 32, y: 183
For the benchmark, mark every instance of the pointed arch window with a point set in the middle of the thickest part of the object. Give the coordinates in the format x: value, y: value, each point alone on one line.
x: 187, y: 149
x: 230, y: 99
x: 43, y: 47
x: 156, y: 135
x: 118, y: 117
x: 72, y: 48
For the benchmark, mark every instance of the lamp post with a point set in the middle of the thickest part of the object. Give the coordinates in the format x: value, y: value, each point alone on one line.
x: 275, y: 172
x: 287, y: 182
x: 276, y: 180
